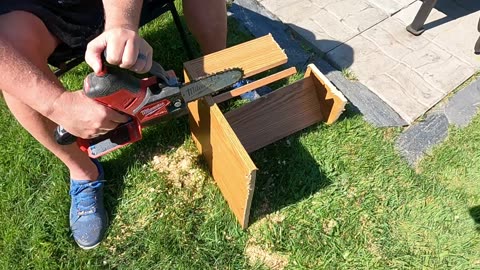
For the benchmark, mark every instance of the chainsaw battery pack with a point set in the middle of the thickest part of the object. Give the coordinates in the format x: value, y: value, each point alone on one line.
x: 124, y: 134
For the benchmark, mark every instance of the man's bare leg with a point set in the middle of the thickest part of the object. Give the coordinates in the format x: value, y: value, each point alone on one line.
x: 207, y: 20
x: 31, y: 39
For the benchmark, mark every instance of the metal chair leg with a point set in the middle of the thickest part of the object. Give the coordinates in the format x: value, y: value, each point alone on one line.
x: 65, y: 67
x: 416, y: 27
x: 181, y: 30
x: 477, y: 45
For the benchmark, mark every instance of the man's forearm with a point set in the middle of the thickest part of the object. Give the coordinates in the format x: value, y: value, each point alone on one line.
x: 122, y: 13
x: 22, y: 79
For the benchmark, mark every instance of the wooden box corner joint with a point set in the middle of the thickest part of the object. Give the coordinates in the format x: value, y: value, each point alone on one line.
x: 225, y: 140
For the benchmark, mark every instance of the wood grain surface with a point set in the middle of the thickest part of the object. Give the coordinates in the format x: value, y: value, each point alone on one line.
x: 230, y: 165
x: 253, y: 57
x: 287, y: 110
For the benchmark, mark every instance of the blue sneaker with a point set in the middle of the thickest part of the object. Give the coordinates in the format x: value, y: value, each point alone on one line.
x: 88, y: 218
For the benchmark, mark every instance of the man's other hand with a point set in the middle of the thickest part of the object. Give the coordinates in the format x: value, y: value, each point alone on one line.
x: 123, y: 47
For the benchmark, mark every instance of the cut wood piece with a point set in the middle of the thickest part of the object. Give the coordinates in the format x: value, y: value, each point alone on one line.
x: 253, y: 57
x: 230, y: 165
x: 255, y: 84
x: 286, y: 111
x: 332, y: 101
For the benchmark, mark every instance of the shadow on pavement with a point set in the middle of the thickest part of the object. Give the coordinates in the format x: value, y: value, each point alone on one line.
x: 260, y: 22
x: 453, y: 10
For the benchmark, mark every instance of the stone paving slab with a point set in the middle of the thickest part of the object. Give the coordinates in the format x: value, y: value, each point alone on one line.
x: 391, y: 6
x: 320, y: 20
x: 419, y: 139
x: 320, y: 36
x: 459, y: 110
x: 463, y: 106
x: 411, y: 74
x: 455, y: 31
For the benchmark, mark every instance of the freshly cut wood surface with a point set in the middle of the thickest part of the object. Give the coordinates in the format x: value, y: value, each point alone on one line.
x: 230, y: 165
x: 254, y: 85
x: 332, y: 101
x: 253, y: 57
x: 286, y: 111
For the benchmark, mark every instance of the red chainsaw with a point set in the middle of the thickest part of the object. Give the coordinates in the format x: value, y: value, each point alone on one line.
x: 144, y: 100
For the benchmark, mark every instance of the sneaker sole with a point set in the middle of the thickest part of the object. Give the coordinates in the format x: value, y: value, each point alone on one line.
x: 87, y: 248
x: 96, y: 245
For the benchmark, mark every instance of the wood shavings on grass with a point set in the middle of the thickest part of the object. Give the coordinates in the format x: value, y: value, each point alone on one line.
x: 181, y: 168
x: 261, y: 254
x: 329, y: 226
x: 257, y: 254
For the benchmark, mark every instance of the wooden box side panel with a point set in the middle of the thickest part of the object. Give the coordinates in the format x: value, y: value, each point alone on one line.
x: 230, y: 165
x: 276, y: 115
x: 332, y: 101
x: 287, y: 110
x: 253, y: 57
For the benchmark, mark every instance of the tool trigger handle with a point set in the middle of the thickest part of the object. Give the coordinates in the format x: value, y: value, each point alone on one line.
x: 158, y: 71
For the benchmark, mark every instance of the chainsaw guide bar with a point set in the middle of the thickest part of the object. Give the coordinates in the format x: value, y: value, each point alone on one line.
x: 210, y: 84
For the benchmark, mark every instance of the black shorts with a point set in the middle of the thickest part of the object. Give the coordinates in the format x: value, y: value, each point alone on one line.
x: 74, y: 22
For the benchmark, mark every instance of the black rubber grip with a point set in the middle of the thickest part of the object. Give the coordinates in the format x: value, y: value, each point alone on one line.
x: 109, y: 83
x: 63, y: 137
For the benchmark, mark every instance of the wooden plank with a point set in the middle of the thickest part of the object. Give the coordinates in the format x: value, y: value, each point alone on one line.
x: 253, y: 57
x: 255, y: 84
x: 285, y: 111
x: 230, y: 165
x: 332, y: 101
x: 276, y: 115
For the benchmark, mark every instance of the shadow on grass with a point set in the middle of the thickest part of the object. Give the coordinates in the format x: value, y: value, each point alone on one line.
x: 475, y: 214
x: 288, y: 173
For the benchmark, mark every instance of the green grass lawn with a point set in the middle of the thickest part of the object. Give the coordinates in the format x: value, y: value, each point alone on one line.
x: 328, y: 197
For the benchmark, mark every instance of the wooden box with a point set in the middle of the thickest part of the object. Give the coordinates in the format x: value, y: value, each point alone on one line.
x: 225, y: 140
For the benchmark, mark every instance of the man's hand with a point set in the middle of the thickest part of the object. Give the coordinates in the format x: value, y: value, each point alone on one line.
x: 84, y: 117
x: 123, y: 47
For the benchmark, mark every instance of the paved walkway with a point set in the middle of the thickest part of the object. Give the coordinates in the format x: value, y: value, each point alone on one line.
x: 411, y: 74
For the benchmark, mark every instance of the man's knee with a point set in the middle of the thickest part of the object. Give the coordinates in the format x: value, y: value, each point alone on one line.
x: 28, y: 34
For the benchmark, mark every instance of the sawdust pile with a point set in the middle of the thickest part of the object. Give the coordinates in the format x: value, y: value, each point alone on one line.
x: 257, y: 253
x: 181, y: 168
